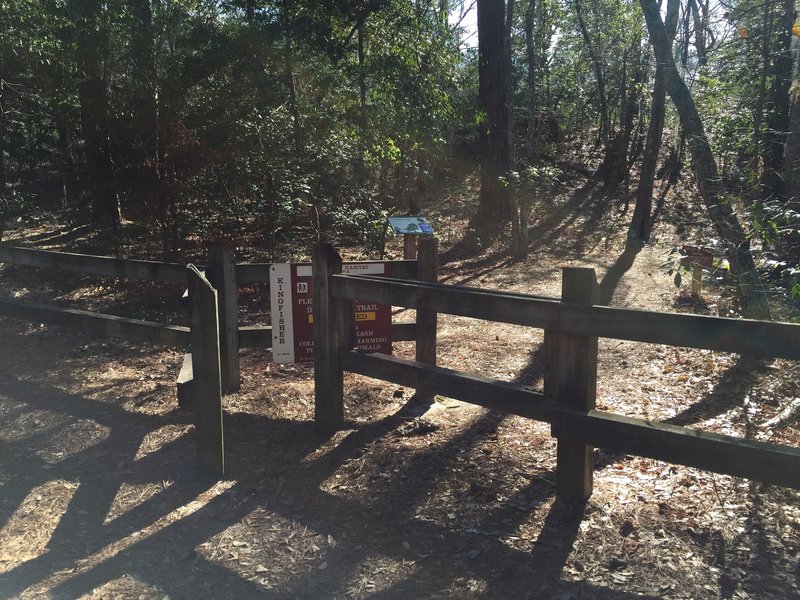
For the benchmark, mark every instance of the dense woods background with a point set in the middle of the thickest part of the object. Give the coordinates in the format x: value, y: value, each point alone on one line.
x: 275, y: 123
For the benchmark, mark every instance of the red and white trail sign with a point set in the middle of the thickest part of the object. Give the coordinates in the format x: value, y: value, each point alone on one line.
x: 291, y: 297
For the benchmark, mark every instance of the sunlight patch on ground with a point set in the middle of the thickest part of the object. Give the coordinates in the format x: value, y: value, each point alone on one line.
x: 23, y: 423
x: 26, y: 534
x: 336, y: 440
x: 83, y: 565
x: 124, y: 587
x: 73, y: 439
x: 131, y: 495
x: 159, y: 438
x: 283, y: 550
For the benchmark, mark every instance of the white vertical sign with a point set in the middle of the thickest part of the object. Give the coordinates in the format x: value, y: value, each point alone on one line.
x: 280, y: 285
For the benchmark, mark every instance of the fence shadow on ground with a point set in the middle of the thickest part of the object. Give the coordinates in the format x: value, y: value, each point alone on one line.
x: 269, y: 471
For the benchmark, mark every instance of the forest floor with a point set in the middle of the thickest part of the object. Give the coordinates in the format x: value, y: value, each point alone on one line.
x: 99, y: 497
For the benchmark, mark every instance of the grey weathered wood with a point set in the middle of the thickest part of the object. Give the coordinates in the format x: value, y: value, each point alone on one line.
x: 328, y: 382
x: 96, y: 265
x: 743, y: 336
x: 427, y: 270
x: 496, y: 395
x: 779, y: 465
x: 504, y: 307
x: 576, y: 374
x: 97, y: 323
x: 221, y: 274
x: 258, y: 273
x: 206, y: 385
x: 185, y: 383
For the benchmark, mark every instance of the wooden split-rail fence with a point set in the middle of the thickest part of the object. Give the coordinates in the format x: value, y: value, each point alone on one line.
x: 572, y: 326
x: 214, y: 335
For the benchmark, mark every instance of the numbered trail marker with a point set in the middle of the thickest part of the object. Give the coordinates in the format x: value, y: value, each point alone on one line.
x: 293, y: 317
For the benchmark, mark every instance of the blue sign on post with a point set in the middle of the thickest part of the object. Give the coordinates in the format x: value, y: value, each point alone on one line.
x: 410, y: 225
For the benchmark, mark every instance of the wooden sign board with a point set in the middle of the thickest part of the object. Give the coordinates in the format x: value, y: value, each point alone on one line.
x: 293, y: 317
x: 699, y: 256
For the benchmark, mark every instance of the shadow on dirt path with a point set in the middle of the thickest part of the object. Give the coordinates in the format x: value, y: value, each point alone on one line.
x: 158, y: 539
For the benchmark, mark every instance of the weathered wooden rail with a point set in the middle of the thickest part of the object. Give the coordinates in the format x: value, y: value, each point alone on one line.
x: 572, y: 326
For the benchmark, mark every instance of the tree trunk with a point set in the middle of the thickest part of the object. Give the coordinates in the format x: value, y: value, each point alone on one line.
x: 640, y: 222
x: 91, y: 39
x: 790, y: 242
x: 496, y: 131
x: 530, y: 55
x: 602, y: 97
x: 772, y: 181
x: 145, y: 125
x: 752, y: 296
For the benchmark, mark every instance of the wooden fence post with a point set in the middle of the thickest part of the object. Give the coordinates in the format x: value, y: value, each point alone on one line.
x: 206, y: 385
x: 427, y: 270
x: 221, y: 273
x: 576, y: 380
x: 334, y: 330
x: 409, y: 246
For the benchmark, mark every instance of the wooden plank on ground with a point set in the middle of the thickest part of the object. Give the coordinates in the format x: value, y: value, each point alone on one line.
x: 97, y: 323
x: 770, y: 463
x: 96, y: 265
x: 506, y: 397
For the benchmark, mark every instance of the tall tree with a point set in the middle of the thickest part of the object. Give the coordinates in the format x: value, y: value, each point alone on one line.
x: 640, y: 222
x: 496, y: 126
x: 92, y: 92
x: 752, y: 295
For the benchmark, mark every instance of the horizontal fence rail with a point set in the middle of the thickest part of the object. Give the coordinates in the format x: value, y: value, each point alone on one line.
x: 246, y: 273
x: 770, y: 463
x: 95, y: 265
x: 502, y: 307
x: 108, y: 325
x: 489, y: 393
x: 743, y: 336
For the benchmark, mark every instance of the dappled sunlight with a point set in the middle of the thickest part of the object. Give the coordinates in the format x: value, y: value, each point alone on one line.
x: 72, y: 439
x: 157, y: 439
x: 93, y: 560
x: 131, y: 495
x: 27, y: 533
x: 22, y: 422
x: 124, y: 587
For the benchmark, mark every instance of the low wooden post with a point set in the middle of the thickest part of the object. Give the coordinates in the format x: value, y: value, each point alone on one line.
x: 576, y: 380
x: 427, y: 270
x: 334, y: 330
x: 221, y: 273
x: 206, y: 386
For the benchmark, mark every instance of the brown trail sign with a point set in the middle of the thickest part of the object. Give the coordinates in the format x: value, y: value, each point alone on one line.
x: 291, y: 292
